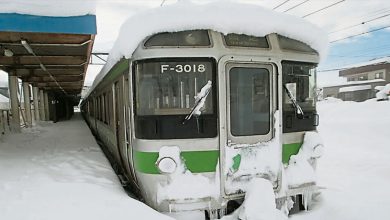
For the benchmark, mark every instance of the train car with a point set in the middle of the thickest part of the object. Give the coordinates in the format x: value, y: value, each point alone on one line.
x: 193, y: 112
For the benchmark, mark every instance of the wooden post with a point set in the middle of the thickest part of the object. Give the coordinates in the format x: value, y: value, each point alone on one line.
x: 13, y: 92
x: 36, y: 103
x: 42, y: 105
x: 27, y: 104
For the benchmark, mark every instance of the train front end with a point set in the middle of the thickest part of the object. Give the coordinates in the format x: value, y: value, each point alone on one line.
x: 209, y: 121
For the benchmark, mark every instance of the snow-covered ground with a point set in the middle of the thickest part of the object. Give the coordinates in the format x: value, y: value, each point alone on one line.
x: 355, y: 168
x: 57, y: 171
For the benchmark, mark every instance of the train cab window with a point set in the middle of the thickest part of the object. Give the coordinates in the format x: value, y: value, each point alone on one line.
x: 165, y: 92
x: 242, y: 40
x: 299, y: 80
x: 249, y: 101
x: 294, y: 45
x: 195, y: 38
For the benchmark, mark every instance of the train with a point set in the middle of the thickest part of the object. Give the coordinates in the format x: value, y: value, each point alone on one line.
x: 191, y: 116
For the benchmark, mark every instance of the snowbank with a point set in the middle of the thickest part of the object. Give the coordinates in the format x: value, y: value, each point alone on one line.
x: 57, y: 171
x: 259, y: 203
x: 354, y: 172
x: 302, y: 166
x: 384, y: 92
x: 48, y: 7
x: 4, y: 102
x: 222, y: 16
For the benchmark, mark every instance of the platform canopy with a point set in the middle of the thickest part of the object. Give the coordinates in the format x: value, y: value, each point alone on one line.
x: 51, y: 53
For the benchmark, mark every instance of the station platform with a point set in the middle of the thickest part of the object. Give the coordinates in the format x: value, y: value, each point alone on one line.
x: 58, y: 171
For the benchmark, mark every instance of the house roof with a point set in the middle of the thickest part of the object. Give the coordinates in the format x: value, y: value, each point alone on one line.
x: 372, y: 65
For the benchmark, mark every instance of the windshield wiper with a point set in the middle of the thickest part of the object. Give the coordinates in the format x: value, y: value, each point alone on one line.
x: 298, y: 109
x: 200, y: 99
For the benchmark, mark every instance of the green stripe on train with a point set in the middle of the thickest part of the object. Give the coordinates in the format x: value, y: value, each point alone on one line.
x: 196, y: 161
x: 289, y: 150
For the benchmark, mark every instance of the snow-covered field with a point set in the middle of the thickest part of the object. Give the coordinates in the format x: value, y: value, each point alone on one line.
x: 46, y: 176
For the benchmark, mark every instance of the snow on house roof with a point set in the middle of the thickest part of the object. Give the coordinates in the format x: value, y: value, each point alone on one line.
x: 225, y: 17
x: 355, y: 88
x: 377, y: 61
x: 48, y: 8
x: 352, y: 83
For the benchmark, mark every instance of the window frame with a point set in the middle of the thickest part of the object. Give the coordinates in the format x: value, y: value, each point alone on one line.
x: 213, y: 115
x: 269, y: 48
x: 166, y: 47
x: 257, y: 137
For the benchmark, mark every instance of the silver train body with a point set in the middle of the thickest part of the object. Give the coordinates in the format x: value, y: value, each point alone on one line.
x: 138, y: 112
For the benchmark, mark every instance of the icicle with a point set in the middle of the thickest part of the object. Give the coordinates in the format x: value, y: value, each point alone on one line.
x: 307, y: 198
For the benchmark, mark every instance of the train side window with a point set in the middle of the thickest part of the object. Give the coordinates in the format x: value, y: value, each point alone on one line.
x: 195, y: 38
x: 100, y: 108
x: 242, y: 40
x: 93, y: 107
x: 111, y: 106
x: 97, y: 108
x: 104, y: 108
x: 107, y: 106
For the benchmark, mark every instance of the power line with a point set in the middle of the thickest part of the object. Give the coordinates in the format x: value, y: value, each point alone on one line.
x: 366, y: 32
x: 328, y: 70
x: 367, y: 55
x: 280, y: 4
x: 362, y: 23
x: 324, y: 8
x: 296, y: 5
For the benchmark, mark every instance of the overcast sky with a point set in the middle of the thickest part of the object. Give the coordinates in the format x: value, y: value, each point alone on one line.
x: 342, y: 18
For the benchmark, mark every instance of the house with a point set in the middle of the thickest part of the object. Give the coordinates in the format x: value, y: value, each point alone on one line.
x: 362, y: 79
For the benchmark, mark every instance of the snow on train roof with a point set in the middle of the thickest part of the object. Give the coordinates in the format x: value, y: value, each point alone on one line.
x: 222, y: 16
x: 48, y: 8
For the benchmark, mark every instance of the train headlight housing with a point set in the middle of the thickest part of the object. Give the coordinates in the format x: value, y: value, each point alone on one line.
x: 166, y: 165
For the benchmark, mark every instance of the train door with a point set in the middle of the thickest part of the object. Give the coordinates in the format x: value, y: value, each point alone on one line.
x: 118, y: 104
x: 128, y: 152
x: 247, y: 107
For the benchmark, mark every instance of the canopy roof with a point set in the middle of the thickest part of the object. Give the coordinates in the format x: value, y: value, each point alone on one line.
x: 51, y: 53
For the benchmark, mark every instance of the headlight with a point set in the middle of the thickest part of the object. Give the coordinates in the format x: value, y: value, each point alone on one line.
x: 166, y: 165
x: 318, y: 151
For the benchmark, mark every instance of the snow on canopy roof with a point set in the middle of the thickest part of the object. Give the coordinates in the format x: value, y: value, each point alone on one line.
x: 354, y: 88
x: 48, y: 7
x: 222, y: 16
x: 377, y: 61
